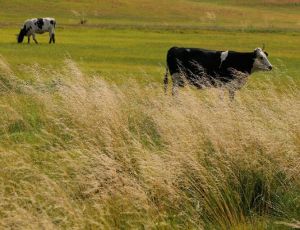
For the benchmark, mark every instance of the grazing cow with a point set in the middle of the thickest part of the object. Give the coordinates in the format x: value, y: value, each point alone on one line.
x: 39, y: 26
x: 209, y: 68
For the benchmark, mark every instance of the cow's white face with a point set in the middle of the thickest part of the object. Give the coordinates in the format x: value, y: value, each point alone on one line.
x: 261, y: 61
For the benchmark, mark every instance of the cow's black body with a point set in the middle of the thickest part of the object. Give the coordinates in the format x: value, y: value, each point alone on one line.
x: 201, y: 67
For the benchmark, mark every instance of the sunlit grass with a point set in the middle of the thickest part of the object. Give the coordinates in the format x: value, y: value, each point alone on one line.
x: 77, y: 151
x: 88, y: 140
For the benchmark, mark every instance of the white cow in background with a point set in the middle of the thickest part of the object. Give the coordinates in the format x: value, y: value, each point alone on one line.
x: 37, y: 26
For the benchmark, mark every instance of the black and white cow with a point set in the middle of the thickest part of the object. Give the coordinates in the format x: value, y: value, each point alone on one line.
x: 37, y: 26
x: 209, y: 68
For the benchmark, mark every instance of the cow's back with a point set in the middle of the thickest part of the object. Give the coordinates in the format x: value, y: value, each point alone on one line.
x: 192, y: 60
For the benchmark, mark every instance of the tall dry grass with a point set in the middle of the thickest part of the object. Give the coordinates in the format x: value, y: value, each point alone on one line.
x: 77, y: 152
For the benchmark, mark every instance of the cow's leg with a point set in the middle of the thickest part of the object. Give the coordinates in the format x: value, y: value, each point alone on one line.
x: 28, y: 39
x: 176, y: 80
x: 50, y: 37
x: 231, y: 94
x: 166, y: 81
x: 33, y: 37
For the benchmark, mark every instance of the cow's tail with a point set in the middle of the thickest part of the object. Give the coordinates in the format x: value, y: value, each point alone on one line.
x: 166, y: 80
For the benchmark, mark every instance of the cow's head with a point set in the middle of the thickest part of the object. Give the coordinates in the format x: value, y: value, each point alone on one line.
x: 261, y: 61
x: 21, y: 35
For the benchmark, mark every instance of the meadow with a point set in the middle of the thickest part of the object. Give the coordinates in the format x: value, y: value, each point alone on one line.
x: 88, y: 140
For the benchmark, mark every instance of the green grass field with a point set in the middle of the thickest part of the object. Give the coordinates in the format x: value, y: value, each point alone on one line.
x: 89, y: 141
x: 130, y: 39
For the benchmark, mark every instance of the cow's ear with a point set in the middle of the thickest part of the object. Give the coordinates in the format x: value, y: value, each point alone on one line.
x: 266, y: 54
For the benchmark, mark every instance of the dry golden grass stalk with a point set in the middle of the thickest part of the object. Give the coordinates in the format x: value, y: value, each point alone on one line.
x: 79, y: 152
